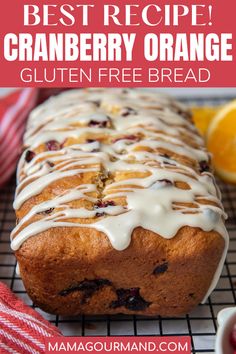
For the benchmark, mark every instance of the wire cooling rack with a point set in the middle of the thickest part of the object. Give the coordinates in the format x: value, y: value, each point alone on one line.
x: 200, y: 324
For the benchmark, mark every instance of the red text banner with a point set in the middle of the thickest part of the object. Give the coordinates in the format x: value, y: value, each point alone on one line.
x: 103, y: 345
x: 67, y: 43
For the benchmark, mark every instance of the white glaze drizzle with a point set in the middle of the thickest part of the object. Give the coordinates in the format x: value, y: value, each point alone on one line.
x: 149, y: 200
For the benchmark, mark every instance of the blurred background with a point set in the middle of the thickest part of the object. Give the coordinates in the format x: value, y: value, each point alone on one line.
x: 179, y: 92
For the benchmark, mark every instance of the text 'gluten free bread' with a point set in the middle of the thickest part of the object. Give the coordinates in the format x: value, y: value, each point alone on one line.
x: 117, y: 208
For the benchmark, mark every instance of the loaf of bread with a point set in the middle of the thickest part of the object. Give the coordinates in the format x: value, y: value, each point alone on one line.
x: 117, y: 209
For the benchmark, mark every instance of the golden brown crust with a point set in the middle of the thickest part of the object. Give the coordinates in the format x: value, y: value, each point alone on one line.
x: 62, y: 258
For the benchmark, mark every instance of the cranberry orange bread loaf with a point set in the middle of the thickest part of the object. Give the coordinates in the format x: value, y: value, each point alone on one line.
x: 117, y: 207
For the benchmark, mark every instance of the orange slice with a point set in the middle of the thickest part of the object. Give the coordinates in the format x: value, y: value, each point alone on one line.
x: 202, y: 116
x: 221, y: 142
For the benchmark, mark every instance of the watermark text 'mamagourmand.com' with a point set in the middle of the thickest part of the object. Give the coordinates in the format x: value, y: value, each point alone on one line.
x: 103, y: 345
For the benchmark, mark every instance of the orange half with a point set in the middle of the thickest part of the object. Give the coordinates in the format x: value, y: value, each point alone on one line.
x: 221, y: 142
x: 202, y: 116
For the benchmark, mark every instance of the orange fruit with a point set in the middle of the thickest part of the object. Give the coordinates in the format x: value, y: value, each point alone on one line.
x: 202, y: 116
x: 221, y: 142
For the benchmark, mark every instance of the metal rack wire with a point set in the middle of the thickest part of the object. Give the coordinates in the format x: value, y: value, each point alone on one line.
x: 200, y: 324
